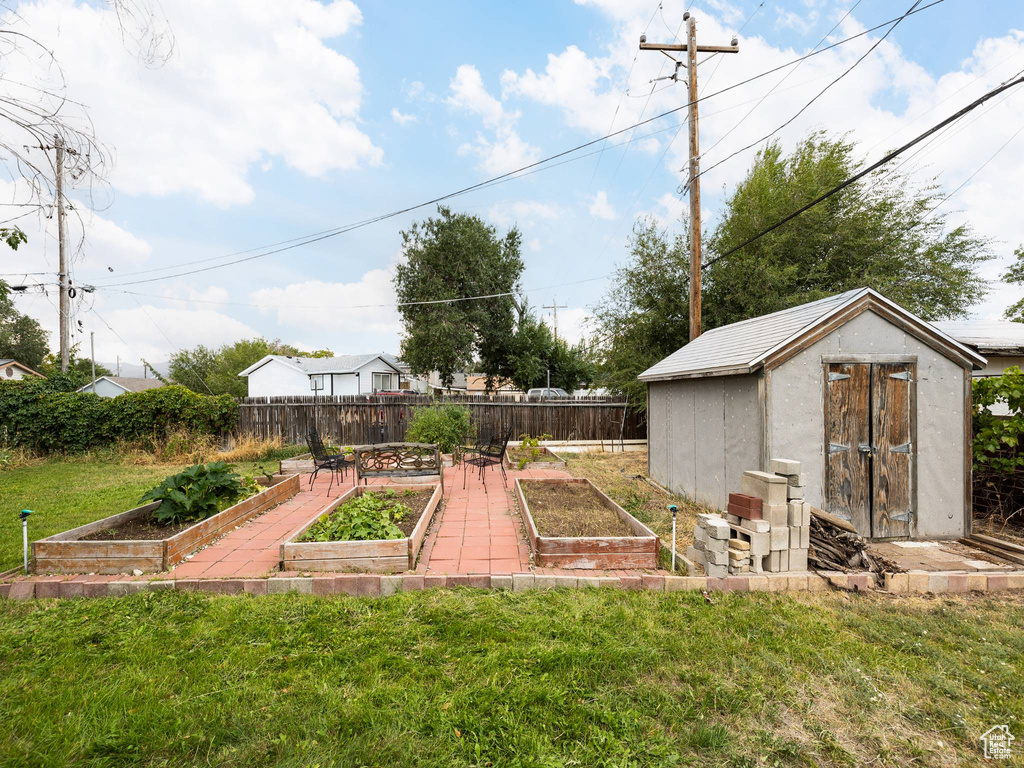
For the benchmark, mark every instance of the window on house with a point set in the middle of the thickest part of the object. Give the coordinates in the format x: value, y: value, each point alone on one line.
x: 381, y: 381
x: 316, y: 383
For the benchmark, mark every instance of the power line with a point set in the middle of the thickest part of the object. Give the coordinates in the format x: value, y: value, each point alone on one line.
x: 316, y: 237
x: 174, y: 347
x: 819, y: 94
x: 873, y: 167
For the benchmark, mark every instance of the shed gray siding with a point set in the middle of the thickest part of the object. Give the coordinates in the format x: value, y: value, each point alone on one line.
x: 703, y: 433
x: 796, y: 417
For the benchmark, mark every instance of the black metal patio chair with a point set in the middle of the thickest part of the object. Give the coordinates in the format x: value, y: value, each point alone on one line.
x: 323, y: 460
x: 487, y: 456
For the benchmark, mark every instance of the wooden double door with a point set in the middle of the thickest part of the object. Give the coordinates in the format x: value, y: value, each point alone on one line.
x: 869, y: 429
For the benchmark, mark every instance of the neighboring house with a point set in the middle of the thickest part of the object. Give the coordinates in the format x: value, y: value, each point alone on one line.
x: 12, y: 370
x: 468, y: 384
x: 872, y: 400
x: 112, y: 386
x: 1001, y: 342
x: 283, y: 375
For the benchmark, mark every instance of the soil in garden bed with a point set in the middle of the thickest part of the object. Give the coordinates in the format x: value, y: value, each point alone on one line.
x: 143, y: 528
x: 571, y: 509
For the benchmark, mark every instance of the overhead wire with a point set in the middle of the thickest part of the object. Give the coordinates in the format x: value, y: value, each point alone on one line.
x: 324, y: 234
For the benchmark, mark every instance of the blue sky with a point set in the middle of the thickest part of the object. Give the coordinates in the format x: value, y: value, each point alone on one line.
x: 273, y: 120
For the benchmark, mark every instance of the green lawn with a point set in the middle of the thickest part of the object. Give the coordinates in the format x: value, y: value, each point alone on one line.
x: 471, y: 678
x: 64, y: 493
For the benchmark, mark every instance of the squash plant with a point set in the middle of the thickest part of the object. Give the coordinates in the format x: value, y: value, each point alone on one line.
x: 196, y: 493
x: 369, y: 517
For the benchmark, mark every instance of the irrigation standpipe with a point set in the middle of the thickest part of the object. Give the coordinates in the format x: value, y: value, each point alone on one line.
x: 671, y: 508
x: 24, y: 535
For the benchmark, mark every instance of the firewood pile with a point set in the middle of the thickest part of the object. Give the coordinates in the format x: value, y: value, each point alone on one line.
x: 835, y: 546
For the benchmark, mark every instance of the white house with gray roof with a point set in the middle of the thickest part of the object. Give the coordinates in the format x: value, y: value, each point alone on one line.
x: 872, y: 400
x: 283, y: 375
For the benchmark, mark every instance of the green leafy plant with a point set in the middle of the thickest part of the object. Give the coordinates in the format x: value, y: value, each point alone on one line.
x: 449, y: 426
x: 530, y: 446
x: 635, y: 504
x: 197, y: 493
x: 369, y: 517
x: 997, y: 438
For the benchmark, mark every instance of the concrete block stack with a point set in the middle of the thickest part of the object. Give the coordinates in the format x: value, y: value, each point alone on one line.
x: 710, y: 547
x: 785, y: 517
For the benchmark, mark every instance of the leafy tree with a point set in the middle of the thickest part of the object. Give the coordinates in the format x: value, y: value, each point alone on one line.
x: 526, y: 356
x: 645, y: 315
x: 208, y: 371
x: 1015, y: 276
x: 79, y: 371
x: 457, y: 256
x: 881, y: 232
x: 13, y: 236
x: 21, y: 337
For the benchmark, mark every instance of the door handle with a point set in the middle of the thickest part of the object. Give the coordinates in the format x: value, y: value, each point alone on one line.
x: 864, y: 448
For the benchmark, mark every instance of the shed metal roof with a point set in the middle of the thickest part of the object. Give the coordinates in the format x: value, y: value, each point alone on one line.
x: 743, y: 347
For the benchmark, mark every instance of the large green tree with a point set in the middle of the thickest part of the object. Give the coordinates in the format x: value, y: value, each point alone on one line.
x: 449, y: 259
x: 528, y: 355
x: 207, y: 371
x: 1015, y: 276
x: 21, y: 337
x: 883, y: 232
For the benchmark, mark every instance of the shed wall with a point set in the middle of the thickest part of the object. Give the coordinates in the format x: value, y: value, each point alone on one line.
x: 797, y: 422
x: 703, y: 433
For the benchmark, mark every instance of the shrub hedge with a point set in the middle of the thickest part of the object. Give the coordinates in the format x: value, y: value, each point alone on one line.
x: 36, y: 416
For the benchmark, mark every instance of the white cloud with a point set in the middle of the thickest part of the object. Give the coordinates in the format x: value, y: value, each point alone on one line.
x: 506, y: 213
x: 574, y: 323
x: 140, y: 332
x: 506, y: 151
x: 600, y: 207
x: 534, y: 245
x: 249, y: 79
x: 351, y: 306
x: 402, y: 119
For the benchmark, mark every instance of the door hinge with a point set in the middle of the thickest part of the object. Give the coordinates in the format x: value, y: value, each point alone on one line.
x: 836, y: 448
x: 905, y: 448
x: 904, y: 375
x: 838, y: 376
x: 865, y: 448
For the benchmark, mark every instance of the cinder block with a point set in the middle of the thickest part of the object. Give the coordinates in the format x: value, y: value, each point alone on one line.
x: 805, y: 537
x: 800, y: 479
x: 807, y: 514
x: 798, y: 559
x: 717, y: 557
x: 755, y: 526
x: 777, y: 515
x: 976, y: 582
x: 282, y: 586
x: 699, y: 534
x: 784, y: 559
x: 733, y: 519
x: 794, y: 492
x: 917, y: 581
x: 716, y: 571
x: 768, y: 487
x: 774, y: 562
x: 501, y: 581
x: 796, y: 513
x: 757, y: 563
x: 794, y: 538
x: 938, y: 583
x: 695, y: 555
x: 757, y: 583
x: 897, y: 583
x: 716, y: 545
x: 785, y: 466
x: 717, y: 528
x: 778, y: 538
x: 522, y: 582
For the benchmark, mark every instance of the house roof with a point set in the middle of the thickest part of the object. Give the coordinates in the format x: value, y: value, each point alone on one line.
x: 318, y: 365
x: 128, y: 383
x: 7, y: 361
x: 986, y: 336
x: 749, y: 345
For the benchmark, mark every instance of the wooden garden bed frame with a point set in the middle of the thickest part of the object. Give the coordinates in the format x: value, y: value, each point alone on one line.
x: 375, y: 556
x: 558, y: 463
x: 639, y: 551
x: 67, y: 553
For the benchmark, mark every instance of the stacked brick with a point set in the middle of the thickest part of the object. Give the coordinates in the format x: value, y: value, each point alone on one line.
x: 785, y: 516
x: 711, y: 548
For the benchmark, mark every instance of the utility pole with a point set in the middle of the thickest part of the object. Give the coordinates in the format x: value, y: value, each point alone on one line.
x: 691, y: 49
x: 92, y: 355
x: 554, y: 306
x: 65, y: 301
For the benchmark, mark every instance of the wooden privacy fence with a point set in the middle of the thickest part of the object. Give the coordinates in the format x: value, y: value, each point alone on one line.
x: 354, y: 420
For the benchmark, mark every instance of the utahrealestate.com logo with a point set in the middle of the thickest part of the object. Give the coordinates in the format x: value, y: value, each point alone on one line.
x: 998, y: 742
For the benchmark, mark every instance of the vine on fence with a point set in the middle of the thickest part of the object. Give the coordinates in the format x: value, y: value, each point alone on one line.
x: 37, y: 416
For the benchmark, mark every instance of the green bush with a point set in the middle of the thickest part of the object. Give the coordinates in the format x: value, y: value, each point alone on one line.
x: 45, y: 420
x: 446, y: 425
x: 196, y: 493
x: 369, y: 517
x: 997, y: 439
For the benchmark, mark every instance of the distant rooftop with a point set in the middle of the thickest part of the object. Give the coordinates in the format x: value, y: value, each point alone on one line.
x: 986, y: 336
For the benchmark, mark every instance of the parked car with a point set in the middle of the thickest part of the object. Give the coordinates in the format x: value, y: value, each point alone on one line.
x: 548, y: 393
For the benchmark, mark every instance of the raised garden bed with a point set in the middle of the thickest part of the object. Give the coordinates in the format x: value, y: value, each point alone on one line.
x: 377, y: 555
x: 543, y: 459
x: 572, y: 524
x: 297, y: 464
x: 140, y: 546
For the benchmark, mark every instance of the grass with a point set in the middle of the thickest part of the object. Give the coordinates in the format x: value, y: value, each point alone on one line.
x: 471, y: 678
x: 616, y: 475
x: 67, y: 492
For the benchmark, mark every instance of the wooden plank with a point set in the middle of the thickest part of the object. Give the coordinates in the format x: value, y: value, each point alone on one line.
x: 419, y: 533
x: 358, y: 564
x: 102, y: 565
x: 996, y: 542
x: 595, y: 544
x: 993, y: 550
x: 891, y: 431
x: 98, y: 549
x: 647, y: 561
x: 343, y: 550
x: 836, y: 521
x: 103, y: 523
x: 848, y: 427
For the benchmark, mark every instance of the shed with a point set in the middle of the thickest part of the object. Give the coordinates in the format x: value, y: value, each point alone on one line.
x: 872, y: 400
x: 112, y: 386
